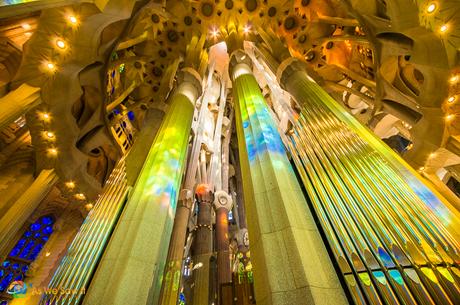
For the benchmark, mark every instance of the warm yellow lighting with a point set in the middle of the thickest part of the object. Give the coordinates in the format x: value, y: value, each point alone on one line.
x: 47, y: 254
x: 450, y: 117
x: 89, y: 206
x: 80, y: 196
x: 422, y: 168
x: 214, y: 32
x: 451, y: 99
x: 432, y: 155
x: 26, y: 26
x: 246, y: 29
x: 45, y: 116
x: 49, y: 135
x: 60, y: 43
x: 431, y: 8
x: 443, y: 28
x: 70, y: 184
x: 454, y: 79
x: 52, y: 151
x: 73, y: 19
x: 50, y: 66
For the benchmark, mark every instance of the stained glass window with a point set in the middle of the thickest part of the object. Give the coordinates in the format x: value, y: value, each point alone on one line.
x: 26, y: 250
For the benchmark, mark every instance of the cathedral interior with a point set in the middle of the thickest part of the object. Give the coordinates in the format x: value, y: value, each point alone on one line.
x: 229, y: 152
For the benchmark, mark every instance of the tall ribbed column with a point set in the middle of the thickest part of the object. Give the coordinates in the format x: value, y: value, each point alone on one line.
x: 20, y: 211
x: 291, y: 265
x: 222, y: 204
x: 202, y: 249
x: 18, y: 102
x: 172, y: 274
x: 79, y: 264
x: 131, y: 267
x: 293, y: 77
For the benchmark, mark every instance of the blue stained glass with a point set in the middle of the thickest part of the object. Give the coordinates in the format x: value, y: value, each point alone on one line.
x: 48, y: 230
x: 47, y: 220
x: 36, y: 226
x: 15, y: 251
x: 116, y: 111
x: 26, y: 250
x: 35, y: 252
x: 131, y: 116
x: 28, y: 247
x: 6, y: 281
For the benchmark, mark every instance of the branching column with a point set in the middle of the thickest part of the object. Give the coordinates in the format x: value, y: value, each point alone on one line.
x: 222, y: 204
x: 291, y: 265
x: 202, y: 245
x: 13, y: 220
x: 131, y: 269
x: 172, y: 274
x: 77, y: 267
x: 18, y: 102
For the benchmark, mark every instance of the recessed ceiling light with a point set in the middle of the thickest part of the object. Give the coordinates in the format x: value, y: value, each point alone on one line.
x: 73, y: 19
x: 431, y: 8
x: 60, y: 43
x: 443, y: 28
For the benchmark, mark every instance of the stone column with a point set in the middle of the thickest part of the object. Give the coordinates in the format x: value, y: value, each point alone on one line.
x: 131, y: 268
x: 222, y: 204
x: 78, y: 265
x: 18, y: 102
x: 291, y: 265
x: 172, y: 275
x: 14, y: 219
x: 202, y: 248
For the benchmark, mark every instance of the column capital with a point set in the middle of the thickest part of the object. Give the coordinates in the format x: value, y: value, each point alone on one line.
x: 287, y: 68
x: 222, y: 200
x: 189, y: 83
x: 239, y: 58
x: 204, y: 193
x: 185, y: 199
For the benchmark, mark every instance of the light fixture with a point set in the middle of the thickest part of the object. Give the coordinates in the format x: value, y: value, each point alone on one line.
x: 246, y: 29
x: 422, y: 168
x: 49, y: 134
x: 70, y: 184
x: 432, y: 155
x: 214, y: 32
x: 47, y: 254
x: 450, y: 117
x: 443, y: 28
x: 50, y: 66
x: 454, y: 79
x: 52, y: 151
x: 45, y: 116
x: 60, y: 44
x: 89, y: 206
x: 26, y: 26
x: 80, y: 196
x: 451, y: 99
x: 431, y: 8
x: 73, y: 19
